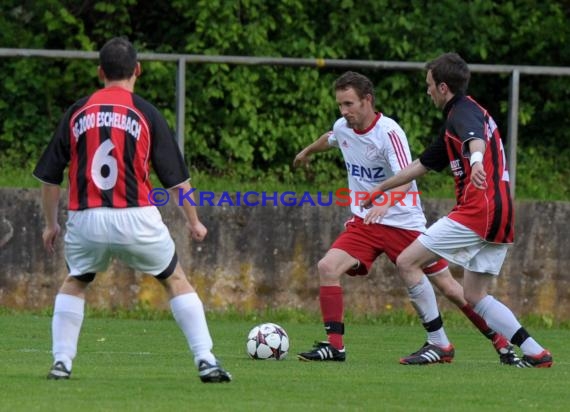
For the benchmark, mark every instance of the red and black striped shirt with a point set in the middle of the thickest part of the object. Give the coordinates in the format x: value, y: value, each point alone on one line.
x: 489, y: 212
x: 109, y: 140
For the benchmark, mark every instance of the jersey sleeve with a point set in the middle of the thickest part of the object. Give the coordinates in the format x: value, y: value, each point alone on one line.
x: 435, y: 156
x: 54, y: 160
x: 333, y: 141
x: 166, y: 158
x: 467, y: 122
x: 397, y: 150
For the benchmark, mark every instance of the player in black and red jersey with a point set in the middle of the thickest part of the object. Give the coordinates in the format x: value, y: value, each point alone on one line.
x: 108, y: 140
x: 477, y: 233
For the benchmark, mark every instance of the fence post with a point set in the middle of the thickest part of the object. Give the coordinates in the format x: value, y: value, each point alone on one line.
x: 512, y: 131
x: 180, y: 102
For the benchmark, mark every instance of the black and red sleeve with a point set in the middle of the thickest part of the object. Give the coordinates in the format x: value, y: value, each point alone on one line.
x: 467, y: 123
x: 165, y: 156
x: 54, y: 160
x: 435, y: 156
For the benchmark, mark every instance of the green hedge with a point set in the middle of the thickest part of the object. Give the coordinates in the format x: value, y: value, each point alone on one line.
x: 248, y: 122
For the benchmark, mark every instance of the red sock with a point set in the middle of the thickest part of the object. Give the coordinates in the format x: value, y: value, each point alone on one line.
x: 332, y: 309
x: 478, y: 321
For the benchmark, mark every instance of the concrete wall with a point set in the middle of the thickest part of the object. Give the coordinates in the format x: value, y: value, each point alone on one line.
x: 260, y: 257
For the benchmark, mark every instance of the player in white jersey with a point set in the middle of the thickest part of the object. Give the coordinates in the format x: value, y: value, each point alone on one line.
x: 371, y: 156
x: 375, y: 147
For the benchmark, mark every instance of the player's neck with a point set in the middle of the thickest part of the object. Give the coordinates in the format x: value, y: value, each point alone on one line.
x: 123, y: 84
x: 367, y: 122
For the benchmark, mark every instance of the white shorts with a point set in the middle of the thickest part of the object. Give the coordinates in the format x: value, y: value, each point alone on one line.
x: 136, y: 235
x: 462, y: 246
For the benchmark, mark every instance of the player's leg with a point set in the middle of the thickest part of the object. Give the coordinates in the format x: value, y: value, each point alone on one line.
x: 460, y: 245
x: 501, y: 318
x: 188, y: 311
x: 86, y: 254
x: 154, y: 253
x: 452, y: 290
x: 66, y: 324
x: 410, y: 265
x: 353, y: 252
x: 330, y: 268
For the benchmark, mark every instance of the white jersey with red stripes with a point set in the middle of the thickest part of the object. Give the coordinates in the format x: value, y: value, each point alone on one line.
x: 372, y: 156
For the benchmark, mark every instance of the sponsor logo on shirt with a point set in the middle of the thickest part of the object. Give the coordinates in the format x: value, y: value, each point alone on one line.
x: 370, y: 173
x: 456, y: 168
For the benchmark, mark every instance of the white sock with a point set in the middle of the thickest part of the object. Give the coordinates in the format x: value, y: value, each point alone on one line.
x: 531, y: 347
x: 423, y: 299
x: 501, y: 319
x: 65, y: 326
x: 189, y: 314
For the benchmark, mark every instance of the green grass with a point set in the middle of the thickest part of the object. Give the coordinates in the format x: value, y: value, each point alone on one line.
x: 129, y: 364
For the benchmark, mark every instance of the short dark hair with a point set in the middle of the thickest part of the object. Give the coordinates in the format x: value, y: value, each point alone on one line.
x: 360, y: 83
x: 451, y: 69
x: 118, y: 58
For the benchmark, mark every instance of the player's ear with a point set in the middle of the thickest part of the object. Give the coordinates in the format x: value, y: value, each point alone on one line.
x: 100, y: 73
x: 138, y: 69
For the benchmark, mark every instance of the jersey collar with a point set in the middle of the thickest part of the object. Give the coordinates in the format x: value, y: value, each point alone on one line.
x: 449, y: 105
x: 378, y: 116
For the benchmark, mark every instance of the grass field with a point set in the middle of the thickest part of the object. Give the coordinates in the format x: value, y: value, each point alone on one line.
x: 144, y: 365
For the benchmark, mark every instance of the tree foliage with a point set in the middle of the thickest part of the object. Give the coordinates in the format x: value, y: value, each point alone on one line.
x: 250, y: 121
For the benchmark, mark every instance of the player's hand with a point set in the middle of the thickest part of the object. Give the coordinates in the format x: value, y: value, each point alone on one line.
x: 49, y: 237
x: 369, y: 201
x: 197, y: 230
x: 302, y: 159
x: 478, y: 176
x: 365, y: 204
x: 375, y: 214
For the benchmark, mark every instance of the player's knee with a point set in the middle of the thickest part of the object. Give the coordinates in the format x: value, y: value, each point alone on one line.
x: 176, y: 283
x: 76, y: 285
x: 327, y: 270
x: 403, y: 263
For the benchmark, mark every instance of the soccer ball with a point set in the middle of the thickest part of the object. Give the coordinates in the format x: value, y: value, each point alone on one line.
x: 267, y: 341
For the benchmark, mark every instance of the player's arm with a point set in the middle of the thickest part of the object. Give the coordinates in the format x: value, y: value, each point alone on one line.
x: 398, y: 154
x: 50, y: 203
x: 478, y: 175
x: 197, y: 229
x: 319, y: 145
x: 172, y: 171
x: 382, y: 201
x: 468, y: 122
x: 433, y: 158
x: 49, y: 171
x: 403, y: 177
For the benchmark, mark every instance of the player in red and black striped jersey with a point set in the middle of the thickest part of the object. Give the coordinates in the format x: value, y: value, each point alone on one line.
x: 109, y: 140
x: 465, y: 122
x: 477, y: 232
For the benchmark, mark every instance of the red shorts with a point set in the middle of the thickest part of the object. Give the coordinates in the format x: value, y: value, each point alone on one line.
x: 367, y: 242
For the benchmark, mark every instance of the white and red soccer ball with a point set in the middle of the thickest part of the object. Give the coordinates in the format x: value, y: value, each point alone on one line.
x: 267, y: 341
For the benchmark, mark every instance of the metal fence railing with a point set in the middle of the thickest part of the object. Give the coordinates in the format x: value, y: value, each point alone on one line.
x: 182, y: 59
